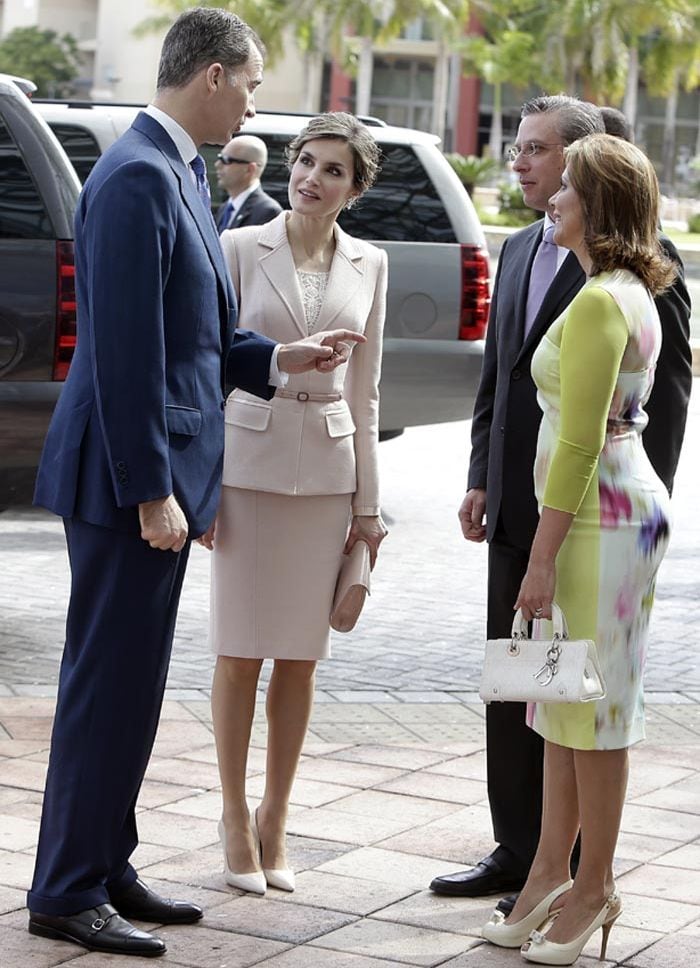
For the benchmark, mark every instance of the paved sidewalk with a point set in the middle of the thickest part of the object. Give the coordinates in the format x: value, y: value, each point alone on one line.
x: 391, y: 789
x: 387, y: 797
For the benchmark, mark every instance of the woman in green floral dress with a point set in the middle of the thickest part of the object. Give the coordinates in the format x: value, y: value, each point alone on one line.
x: 604, y: 527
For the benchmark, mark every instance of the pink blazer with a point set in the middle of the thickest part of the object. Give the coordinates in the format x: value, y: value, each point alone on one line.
x: 293, y: 446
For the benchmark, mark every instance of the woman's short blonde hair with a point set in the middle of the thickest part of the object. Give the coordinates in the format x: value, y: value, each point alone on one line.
x: 342, y: 127
x: 619, y: 194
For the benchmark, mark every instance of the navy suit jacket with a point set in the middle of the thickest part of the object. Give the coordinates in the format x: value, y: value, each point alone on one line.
x: 506, y: 413
x: 258, y: 209
x: 141, y: 412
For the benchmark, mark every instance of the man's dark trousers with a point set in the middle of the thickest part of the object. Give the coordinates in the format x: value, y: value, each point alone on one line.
x: 515, y: 753
x: 121, y: 620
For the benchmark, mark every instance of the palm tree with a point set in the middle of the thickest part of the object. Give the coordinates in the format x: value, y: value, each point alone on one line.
x: 600, y: 43
x: 505, y: 53
x: 672, y: 61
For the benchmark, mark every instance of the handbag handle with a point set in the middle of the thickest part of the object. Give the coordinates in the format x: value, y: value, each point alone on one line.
x: 561, y: 631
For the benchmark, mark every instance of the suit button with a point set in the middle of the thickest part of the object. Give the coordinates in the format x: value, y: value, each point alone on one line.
x: 502, y: 430
x: 516, y: 374
x: 121, y: 466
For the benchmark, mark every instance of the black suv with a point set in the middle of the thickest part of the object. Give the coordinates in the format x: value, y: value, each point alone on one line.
x: 38, y: 194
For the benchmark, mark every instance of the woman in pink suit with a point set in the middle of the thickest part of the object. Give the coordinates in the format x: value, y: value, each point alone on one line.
x: 300, y: 480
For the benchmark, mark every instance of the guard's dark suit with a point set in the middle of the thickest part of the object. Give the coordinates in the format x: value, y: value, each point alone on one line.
x: 259, y: 208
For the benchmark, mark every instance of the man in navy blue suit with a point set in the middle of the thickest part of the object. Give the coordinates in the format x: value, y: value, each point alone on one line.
x: 132, y: 462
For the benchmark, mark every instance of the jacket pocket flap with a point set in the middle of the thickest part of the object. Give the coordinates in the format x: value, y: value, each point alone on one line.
x: 339, y: 423
x: 183, y: 420
x: 244, y: 413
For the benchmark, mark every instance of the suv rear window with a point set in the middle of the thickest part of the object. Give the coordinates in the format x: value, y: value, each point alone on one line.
x: 403, y: 206
x: 80, y: 146
x: 22, y: 211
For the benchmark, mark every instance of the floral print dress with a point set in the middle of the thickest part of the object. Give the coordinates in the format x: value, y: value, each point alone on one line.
x: 594, y: 370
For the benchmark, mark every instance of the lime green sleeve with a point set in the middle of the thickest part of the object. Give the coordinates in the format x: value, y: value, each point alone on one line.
x: 593, y: 340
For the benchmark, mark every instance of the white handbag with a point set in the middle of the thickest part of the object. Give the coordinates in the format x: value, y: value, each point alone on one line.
x: 520, y: 669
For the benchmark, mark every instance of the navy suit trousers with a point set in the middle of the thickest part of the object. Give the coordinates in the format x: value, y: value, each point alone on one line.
x: 121, y: 620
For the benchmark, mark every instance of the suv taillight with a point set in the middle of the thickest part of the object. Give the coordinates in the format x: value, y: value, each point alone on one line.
x: 65, y: 310
x: 476, y: 300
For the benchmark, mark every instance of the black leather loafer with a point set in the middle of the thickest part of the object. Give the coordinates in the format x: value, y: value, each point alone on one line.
x: 98, y: 929
x: 487, y: 877
x: 143, y: 904
x: 506, y: 904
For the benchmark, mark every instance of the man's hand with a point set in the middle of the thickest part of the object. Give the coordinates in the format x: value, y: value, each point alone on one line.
x: 322, y: 351
x: 163, y: 524
x: 471, y: 514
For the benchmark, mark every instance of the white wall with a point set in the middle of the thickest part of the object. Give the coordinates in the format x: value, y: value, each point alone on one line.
x: 76, y: 17
x: 19, y: 13
x: 283, y: 86
x: 125, y: 66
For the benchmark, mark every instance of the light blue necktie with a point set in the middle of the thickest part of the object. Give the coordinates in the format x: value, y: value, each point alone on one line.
x: 199, y: 168
x: 544, y: 269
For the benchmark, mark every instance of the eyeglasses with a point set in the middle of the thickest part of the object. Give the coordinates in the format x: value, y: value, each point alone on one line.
x: 226, y: 160
x: 530, y: 149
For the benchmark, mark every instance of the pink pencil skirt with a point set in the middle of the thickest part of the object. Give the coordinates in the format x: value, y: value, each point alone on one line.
x: 274, y: 568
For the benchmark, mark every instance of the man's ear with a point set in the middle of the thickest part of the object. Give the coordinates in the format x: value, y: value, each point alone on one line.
x: 213, y: 76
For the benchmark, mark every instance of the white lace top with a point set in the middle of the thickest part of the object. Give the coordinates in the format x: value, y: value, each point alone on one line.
x: 313, y: 290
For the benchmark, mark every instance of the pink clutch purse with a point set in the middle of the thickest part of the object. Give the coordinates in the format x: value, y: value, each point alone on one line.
x: 351, y: 588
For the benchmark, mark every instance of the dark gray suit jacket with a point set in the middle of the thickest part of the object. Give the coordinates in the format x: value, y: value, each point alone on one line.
x: 258, y: 209
x: 506, y: 413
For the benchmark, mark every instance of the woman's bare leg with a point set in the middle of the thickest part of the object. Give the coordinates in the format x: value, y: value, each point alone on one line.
x: 233, y: 707
x: 290, y: 697
x: 601, y: 780
x: 560, y: 824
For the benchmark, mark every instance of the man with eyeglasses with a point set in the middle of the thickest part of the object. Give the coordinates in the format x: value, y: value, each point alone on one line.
x: 535, y: 282
x: 239, y: 168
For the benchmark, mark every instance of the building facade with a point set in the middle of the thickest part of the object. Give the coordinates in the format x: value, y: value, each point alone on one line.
x: 411, y: 81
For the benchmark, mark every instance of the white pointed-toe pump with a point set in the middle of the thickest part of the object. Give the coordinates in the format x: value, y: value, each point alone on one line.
x: 281, y: 878
x: 254, y: 882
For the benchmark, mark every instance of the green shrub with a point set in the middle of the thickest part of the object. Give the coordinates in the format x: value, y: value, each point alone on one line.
x: 512, y: 209
x: 694, y: 223
x: 471, y: 170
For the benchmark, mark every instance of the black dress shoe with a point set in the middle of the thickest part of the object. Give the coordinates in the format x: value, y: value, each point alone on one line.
x: 143, y: 904
x: 97, y: 929
x: 506, y: 904
x: 487, y: 877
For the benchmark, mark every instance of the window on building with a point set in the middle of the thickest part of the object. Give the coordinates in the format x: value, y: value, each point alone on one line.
x: 402, y: 92
x: 22, y: 211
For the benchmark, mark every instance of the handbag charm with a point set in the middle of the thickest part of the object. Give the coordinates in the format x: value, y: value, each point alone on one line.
x: 559, y: 669
x: 545, y: 675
